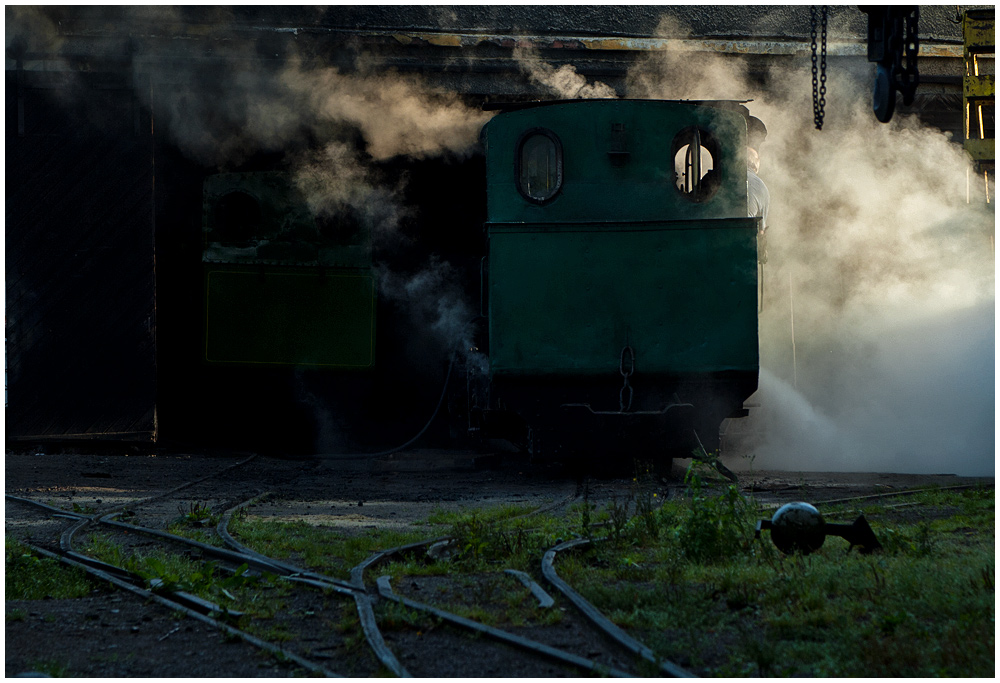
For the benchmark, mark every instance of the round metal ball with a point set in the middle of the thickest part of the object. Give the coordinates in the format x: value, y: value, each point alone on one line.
x: 798, y: 527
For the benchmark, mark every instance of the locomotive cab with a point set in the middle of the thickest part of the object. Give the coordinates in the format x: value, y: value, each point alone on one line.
x: 620, y: 281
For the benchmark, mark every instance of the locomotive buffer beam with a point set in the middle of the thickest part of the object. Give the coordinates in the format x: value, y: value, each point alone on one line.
x: 577, y: 427
x: 622, y: 413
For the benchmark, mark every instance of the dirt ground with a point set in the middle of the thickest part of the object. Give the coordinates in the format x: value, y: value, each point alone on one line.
x: 117, y: 635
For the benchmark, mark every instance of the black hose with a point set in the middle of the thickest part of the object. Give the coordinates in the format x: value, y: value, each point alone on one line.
x: 390, y: 451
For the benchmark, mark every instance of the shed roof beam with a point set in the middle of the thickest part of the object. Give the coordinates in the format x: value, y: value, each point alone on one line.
x: 726, y: 46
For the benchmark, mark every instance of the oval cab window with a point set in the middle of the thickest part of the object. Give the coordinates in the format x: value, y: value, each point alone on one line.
x: 695, y: 153
x: 539, y: 165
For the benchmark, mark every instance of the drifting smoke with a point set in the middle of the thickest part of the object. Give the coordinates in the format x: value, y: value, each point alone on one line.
x: 331, y: 427
x: 435, y: 300
x: 564, y: 82
x: 396, y: 115
x: 336, y: 182
x: 877, y: 332
x: 360, y: 118
x: 29, y: 30
x: 242, y: 112
x: 220, y: 113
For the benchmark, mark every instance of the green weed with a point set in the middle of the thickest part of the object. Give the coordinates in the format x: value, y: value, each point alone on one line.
x: 923, y: 607
x: 315, y: 547
x: 29, y: 577
x: 50, y: 667
x: 393, y: 615
x: 494, y: 514
x: 485, y: 543
x: 238, y: 590
x: 715, y: 527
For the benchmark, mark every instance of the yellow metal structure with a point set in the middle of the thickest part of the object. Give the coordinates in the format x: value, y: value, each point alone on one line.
x: 744, y: 46
x: 978, y: 93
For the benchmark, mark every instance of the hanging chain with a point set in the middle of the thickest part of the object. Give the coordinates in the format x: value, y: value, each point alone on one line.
x: 822, y: 70
x: 819, y: 69
x: 626, y: 367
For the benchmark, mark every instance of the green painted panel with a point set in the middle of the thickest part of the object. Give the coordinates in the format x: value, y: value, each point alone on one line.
x: 565, y: 300
x: 263, y: 218
x: 598, y: 186
x: 290, y: 317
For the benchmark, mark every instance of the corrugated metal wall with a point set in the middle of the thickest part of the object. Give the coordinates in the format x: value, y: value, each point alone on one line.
x: 80, y: 273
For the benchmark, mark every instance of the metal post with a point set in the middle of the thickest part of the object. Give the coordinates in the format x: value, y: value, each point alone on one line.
x: 791, y: 304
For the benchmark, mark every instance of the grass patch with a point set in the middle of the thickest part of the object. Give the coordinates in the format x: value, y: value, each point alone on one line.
x: 700, y: 591
x: 493, y: 514
x: 485, y: 542
x: 30, y: 577
x: 315, y: 547
x: 51, y: 668
x: 239, y: 590
x: 687, y: 577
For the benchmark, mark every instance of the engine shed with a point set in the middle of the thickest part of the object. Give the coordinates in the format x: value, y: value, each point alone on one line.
x: 132, y: 133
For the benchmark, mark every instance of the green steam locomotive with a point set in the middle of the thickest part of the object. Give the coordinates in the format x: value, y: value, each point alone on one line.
x: 616, y: 280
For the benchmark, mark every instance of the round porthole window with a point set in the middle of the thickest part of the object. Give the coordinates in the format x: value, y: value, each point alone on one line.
x: 237, y: 218
x: 696, y: 164
x: 539, y: 165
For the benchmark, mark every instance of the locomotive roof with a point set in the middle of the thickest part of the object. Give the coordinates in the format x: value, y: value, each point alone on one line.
x: 516, y: 106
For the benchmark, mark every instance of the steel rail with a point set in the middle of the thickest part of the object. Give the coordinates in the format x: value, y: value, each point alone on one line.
x: 356, y: 586
x: 598, y: 619
x: 362, y: 601
x: 143, y: 501
x: 66, y: 547
x: 264, y: 564
x: 288, y: 569
x: 888, y: 494
x: 58, y: 511
x: 385, y: 590
x: 156, y: 584
x: 242, y: 554
x: 222, y: 528
x: 215, y: 551
x: 292, y: 573
x: 358, y: 572
x: 261, y: 562
x: 194, y: 614
x: 552, y: 506
x: 544, y: 599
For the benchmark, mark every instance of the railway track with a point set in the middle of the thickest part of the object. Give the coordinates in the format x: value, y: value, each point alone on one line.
x: 294, y: 637
x: 381, y: 618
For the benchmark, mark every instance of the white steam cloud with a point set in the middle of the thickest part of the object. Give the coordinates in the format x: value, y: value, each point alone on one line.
x: 564, y: 82
x: 266, y: 110
x: 879, y: 265
x: 396, y: 115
